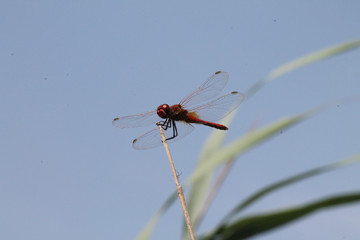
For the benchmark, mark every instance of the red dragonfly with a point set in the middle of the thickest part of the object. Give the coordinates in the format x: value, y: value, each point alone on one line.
x: 179, y: 117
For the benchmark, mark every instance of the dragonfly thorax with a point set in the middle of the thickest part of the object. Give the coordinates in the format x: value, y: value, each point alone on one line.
x: 163, y: 111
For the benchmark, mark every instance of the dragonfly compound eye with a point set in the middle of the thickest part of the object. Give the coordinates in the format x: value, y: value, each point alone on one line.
x: 163, y: 111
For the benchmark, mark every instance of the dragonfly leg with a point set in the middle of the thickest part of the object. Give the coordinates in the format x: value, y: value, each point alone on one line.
x: 175, y: 132
x: 169, y: 123
x: 163, y: 124
x: 166, y: 124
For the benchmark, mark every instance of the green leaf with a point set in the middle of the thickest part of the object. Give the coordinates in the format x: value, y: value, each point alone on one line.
x: 150, y: 226
x: 303, y: 61
x: 283, y: 183
x: 248, y: 141
x: 260, y: 223
x: 199, y: 188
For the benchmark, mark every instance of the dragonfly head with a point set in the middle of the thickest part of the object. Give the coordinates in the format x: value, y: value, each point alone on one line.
x: 163, y: 111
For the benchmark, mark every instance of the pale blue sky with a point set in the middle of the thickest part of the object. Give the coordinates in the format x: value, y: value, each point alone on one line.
x: 69, y: 67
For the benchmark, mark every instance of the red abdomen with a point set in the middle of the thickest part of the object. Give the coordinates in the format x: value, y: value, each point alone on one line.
x: 192, y: 119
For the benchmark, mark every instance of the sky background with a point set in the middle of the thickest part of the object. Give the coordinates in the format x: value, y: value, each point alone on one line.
x: 69, y: 67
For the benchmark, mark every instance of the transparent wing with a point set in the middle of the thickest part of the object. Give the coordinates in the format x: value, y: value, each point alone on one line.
x: 218, y: 108
x: 209, y: 89
x: 137, y: 120
x: 152, y: 138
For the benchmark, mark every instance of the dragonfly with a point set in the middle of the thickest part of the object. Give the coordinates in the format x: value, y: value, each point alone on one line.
x: 178, y: 120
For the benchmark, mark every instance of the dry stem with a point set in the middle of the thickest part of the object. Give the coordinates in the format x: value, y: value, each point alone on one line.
x: 178, y: 186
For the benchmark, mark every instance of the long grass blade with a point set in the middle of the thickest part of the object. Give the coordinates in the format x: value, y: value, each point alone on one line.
x: 260, y: 223
x: 288, y: 181
x: 250, y: 140
x: 303, y: 61
x: 150, y: 226
x: 200, y: 188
